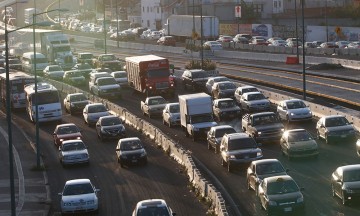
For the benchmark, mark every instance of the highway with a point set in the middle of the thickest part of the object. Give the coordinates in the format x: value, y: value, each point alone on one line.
x: 313, y: 175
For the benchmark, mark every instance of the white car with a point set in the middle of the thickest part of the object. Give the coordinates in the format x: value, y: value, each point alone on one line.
x: 171, y: 114
x: 294, y: 110
x: 212, y: 80
x: 152, y: 207
x: 335, y: 128
x: 79, y: 195
x: 243, y: 89
x: 54, y: 72
x: 254, y: 102
x: 73, y: 152
x: 154, y: 35
x: 213, y: 45
x: 92, y: 113
x: 120, y: 77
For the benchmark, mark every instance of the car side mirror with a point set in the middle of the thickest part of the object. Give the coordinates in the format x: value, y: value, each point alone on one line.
x: 85, y: 112
x: 60, y: 194
x: 284, y: 108
x: 54, y: 134
x: 117, y: 149
x: 261, y: 193
x: 351, y: 122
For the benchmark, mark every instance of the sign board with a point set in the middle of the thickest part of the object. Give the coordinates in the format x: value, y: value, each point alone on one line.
x: 238, y: 11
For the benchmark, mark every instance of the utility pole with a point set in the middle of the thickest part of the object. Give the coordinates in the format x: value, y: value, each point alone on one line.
x: 201, y: 40
x: 303, y: 49
x: 296, y: 33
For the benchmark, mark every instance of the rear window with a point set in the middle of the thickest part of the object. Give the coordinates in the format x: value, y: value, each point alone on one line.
x: 242, y: 143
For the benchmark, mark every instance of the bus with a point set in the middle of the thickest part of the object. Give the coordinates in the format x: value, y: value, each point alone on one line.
x: 17, y: 82
x: 48, y: 100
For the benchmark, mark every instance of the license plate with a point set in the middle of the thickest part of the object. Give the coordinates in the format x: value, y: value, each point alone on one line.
x: 287, y: 209
x: 134, y: 161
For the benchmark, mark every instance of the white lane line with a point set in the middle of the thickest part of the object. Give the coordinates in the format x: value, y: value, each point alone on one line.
x: 21, y: 196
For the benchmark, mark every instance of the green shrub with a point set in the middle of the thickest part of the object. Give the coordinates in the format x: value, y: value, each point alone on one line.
x: 196, y: 64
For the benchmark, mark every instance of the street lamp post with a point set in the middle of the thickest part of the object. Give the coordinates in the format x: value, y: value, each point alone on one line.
x: 326, y: 22
x: 104, y: 25
x: 296, y: 33
x: 201, y: 35
x: 303, y: 49
x: 117, y: 24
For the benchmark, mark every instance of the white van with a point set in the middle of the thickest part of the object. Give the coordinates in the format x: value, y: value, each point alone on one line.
x: 95, y: 76
x: 28, y: 63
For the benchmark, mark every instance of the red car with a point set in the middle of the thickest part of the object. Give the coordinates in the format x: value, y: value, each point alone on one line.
x: 167, y: 41
x: 66, y: 132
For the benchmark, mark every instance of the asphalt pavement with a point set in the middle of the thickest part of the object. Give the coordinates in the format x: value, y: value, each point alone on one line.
x: 31, y: 190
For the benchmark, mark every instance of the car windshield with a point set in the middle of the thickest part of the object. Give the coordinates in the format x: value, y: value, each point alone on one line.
x: 84, y: 67
x: 75, y: 98
x: 269, y: 168
x: 97, y: 108
x: 55, y: 68
x: 226, y: 86
x: 299, y: 136
x: 108, y: 58
x: 174, y: 109
x: 242, y: 143
x: 252, y: 97
x: 351, y: 175
x: 77, y: 189
x: 226, y: 104
x: 221, y: 132
x: 265, y: 119
x: 67, y: 129
x: 74, y: 74
x: 220, y: 79
x: 282, y: 187
x: 153, y: 211
x: 131, y: 145
x: 295, y: 104
x: 73, y: 146
x: 106, y: 81
x: 120, y: 75
x: 201, y: 118
x: 200, y: 74
x: 337, y: 121
x: 86, y: 56
x: 249, y: 90
x: 157, y: 101
x: 158, y: 73
x: 110, y: 121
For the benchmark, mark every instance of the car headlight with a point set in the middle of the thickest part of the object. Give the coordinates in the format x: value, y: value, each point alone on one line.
x: 66, y: 204
x: 259, y: 132
x: 85, y: 155
x: 351, y: 131
x: 78, y: 138
x: 272, y: 203
x: 310, y: 113
x: 196, y: 129
x: 150, y: 87
x: 102, y: 130
x: 292, y: 114
x: 232, y: 156
x: 258, y: 154
x: 282, y: 129
x: 61, y: 140
x: 300, y: 199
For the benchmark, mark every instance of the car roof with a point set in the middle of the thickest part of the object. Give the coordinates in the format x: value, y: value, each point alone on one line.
x: 196, y: 70
x: 223, y: 82
x: 263, y: 113
x: 129, y: 139
x: 246, y: 86
x: 73, y: 94
x: 77, y: 181
x: 237, y: 135
x: 221, y: 127
x: 116, y: 72
x: 263, y: 161
x: 95, y: 104
x: 173, y: 104
x: 151, y: 203
x: 155, y: 97
x: 65, y: 125
x: 295, y: 130
x: 71, y: 141
x: 349, y: 167
x: 217, y: 77
x: 251, y: 93
x: 223, y: 99
x: 278, y: 178
x: 108, y: 117
x: 292, y: 100
x: 333, y: 116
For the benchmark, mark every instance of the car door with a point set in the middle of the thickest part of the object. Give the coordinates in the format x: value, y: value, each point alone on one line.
x: 338, y: 182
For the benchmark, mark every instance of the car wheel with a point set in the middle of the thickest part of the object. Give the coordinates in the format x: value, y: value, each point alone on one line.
x: 333, y: 190
x: 144, y: 114
x: 343, y: 199
x: 287, y: 119
x: 70, y: 111
x: 317, y: 134
x: 149, y: 115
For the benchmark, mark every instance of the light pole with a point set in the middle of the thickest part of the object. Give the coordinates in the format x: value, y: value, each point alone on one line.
x: 296, y: 33
x: 36, y: 88
x: 117, y: 24
x: 104, y: 29
x: 326, y: 22
x: 303, y: 49
x: 59, y: 11
x: 201, y: 35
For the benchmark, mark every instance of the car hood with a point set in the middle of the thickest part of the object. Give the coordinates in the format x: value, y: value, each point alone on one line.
x: 105, y: 87
x: 79, y: 198
x: 80, y: 102
x: 201, y: 79
x: 67, y: 136
x: 119, y: 126
x: 303, y: 145
x: 269, y: 127
x: 227, y: 91
x: 340, y: 128
x: 204, y: 124
x: 130, y: 152
x: 75, y: 152
x: 56, y: 73
x: 287, y: 197
x: 255, y: 102
x: 300, y: 110
x: 121, y: 79
x: 81, y: 78
x: 175, y: 116
x: 98, y: 115
x: 271, y: 174
x: 246, y: 150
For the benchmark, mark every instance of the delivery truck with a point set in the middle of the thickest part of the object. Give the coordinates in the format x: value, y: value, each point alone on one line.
x: 150, y: 75
x: 196, y: 115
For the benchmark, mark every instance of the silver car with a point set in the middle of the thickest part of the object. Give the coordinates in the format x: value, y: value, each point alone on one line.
x: 212, y: 80
x: 73, y: 152
x: 254, y: 102
x: 294, y: 110
x: 171, y: 114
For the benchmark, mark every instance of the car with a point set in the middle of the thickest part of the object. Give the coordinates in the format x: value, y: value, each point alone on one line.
x: 247, y: 36
x: 64, y: 132
x: 103, y: 69
x: 310, y: 45
x: 215, y: 134
x: 297, y: 143
x: 110, y: 127
x: 153, y: 106
x: 54, y: 72
x: 281, y: 194
x: 270, y: 40
x: 213, y: 45
x: 121, y: 78
x: 335, y: 128
x: 260, y: 169
x: 225, y: 108
x: 345, y: 183
x: 278, y: 43
x: 358, y: 147
x: 328, y: 45
x: 294, y: 40
x: 2, y: 70
x: 154, y: 35
x: 92, y: 113
x: 171, y: 114
x: 241, y: 40
x: 294, y: 110
x: 153, y: 207
x: 14, y: 63
x: 224, y: 89
x: 166, y: 41
x: 211, y: 80
x: 224, y: 38
x: 194, y: 79
x: 84, y: 68
x: 79, y: 196
x: 74, y: 77
x: 75, y: 103
x: 73, y: 152
x: 130, y: 151
x: 243, y: 89
x: 353, y: 45
x: 238, y: 149
x: 254, y: 102
x: 294, y: 44
x: 342, y: 44
x: 258, y: 41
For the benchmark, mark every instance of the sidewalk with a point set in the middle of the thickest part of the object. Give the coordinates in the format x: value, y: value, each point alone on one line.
x: 31, y: 192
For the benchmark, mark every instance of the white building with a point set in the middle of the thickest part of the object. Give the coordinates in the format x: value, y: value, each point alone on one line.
x: 154, y: 13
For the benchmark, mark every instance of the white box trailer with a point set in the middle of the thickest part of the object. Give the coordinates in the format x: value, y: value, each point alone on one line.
x: 181, y: 26
x: 196, y: 114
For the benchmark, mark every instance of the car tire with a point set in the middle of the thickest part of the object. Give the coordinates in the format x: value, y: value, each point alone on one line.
x: 170, y: 125
x: 216, y: 149
x: 164, y: 123
x: 287, y: 119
